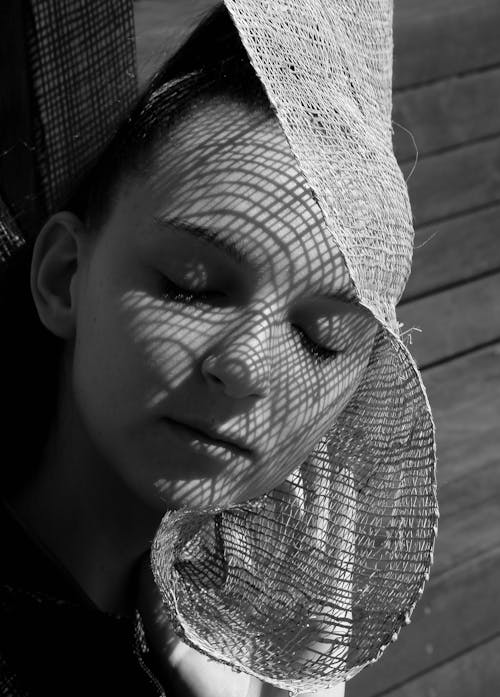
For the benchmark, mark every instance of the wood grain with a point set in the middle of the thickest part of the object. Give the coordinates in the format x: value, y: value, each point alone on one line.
x: 443, y: 625
x: 475, y: 673
x: 471, y: 532
x: 455, y: 182
x: 465, y: 399
x: 437, y: 38
x: 454, y: 251
x: 456, y: 609
x: 454, y: 321
x: 447, y: 113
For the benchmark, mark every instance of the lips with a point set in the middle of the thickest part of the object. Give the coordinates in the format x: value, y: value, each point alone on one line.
x: 207, y: 434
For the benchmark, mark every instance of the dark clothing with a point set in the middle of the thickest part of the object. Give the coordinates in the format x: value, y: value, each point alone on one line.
x: 53, y: 640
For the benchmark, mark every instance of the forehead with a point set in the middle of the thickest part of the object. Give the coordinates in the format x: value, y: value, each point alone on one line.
x: 231, y: 169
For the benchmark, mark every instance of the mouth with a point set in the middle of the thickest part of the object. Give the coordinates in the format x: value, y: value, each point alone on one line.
x: 205, y: 436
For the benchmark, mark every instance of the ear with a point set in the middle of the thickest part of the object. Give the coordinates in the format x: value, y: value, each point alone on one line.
x: 56, y: 257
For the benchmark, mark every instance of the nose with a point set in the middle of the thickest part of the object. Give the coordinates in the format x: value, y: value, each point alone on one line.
x: 240, y: 364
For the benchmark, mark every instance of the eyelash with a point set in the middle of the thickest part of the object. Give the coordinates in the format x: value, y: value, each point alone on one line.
x: 320, y: 354
x: 171, y: 291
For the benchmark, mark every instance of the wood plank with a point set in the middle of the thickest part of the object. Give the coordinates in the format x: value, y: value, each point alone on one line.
x: 454, y: 251
x: 456, y: 181
x: 470, y: 490
x: 447, y: 113
x: 442, y: 626
x: 473, y: 674
x: 437, y: 38
x: 467, y: 565
x: 465, y: 399
x: 454, y: 320
x: 465, y: 534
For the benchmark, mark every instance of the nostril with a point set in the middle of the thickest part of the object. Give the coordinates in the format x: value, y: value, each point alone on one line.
x: 215, y: 378
x: 235, y: 376
x: 210, y: 371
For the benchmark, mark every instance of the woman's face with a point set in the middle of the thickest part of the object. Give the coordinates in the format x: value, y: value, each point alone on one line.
x: 216, y: 335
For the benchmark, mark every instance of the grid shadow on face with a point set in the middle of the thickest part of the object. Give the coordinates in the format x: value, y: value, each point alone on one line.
x: 242, y: 316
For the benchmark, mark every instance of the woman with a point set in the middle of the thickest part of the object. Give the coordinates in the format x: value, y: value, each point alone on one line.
x: 203, y: 333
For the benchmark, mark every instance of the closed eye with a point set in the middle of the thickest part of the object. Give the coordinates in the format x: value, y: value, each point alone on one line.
x: 318, y: 352
x: 189, y: 296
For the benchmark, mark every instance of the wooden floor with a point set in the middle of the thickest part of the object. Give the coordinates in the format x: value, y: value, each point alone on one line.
x: 447, y: 93
x: 447, y: 78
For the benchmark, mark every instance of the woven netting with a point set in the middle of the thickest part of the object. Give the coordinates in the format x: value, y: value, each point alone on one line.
x: 327, y: 68
x: 307, y: 584
x: 10, y: 237
x: 83, y: 73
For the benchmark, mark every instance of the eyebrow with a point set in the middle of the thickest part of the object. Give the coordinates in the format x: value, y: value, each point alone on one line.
x: 237, y: 254
x: 212, y: 236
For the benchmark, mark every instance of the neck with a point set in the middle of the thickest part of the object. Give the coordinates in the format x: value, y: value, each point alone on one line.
x: 87, y: 517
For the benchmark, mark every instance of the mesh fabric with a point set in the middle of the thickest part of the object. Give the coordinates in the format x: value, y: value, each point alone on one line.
x: 82, y: 62
x: 327, y: 68
x: 10, y: 237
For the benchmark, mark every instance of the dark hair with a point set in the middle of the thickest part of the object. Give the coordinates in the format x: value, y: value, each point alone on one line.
x: 211, y: 63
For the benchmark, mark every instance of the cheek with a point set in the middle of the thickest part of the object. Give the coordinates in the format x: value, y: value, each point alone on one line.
x: 105, y: 363
x: 125, y: 350
x: 341, y: 383
x: 167, y: 343
x: 310, y: 395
